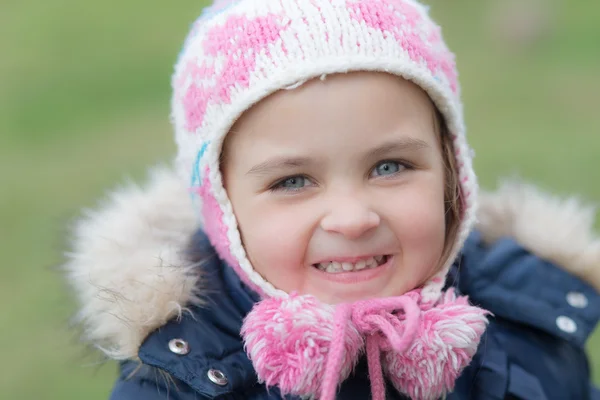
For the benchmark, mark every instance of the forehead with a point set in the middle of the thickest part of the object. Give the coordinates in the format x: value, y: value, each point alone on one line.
x: 341, y: 111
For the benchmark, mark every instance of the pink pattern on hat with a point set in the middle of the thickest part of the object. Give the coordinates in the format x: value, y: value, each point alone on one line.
x: 410, y: 11
x: 194, y: 71
x: 239, y: 41
x: 401, y: 24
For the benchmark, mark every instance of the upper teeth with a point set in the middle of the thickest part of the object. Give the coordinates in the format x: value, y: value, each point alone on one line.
x: 334, y: 266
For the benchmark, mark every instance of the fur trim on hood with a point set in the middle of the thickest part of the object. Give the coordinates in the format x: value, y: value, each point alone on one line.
x: 560, y: 230
x: 127, y: 263
x: 130, y: 274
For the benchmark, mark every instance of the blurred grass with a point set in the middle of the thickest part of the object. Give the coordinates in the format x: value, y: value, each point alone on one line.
x: 84, y: 101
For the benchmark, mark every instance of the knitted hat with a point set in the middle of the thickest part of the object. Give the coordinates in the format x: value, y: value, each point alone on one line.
x: 239, y: 52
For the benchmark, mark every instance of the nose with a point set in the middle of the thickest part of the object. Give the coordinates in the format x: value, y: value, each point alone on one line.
x: 350, y: 217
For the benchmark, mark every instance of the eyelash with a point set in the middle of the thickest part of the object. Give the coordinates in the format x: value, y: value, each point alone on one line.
x: 277, y: 186
x: 404, y: 164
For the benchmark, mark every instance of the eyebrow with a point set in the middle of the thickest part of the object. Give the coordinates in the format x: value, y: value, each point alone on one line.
x: 404, y: 144
x: 279, y: 163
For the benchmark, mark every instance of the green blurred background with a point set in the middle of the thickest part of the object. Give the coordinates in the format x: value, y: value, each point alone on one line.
x: 84, y: 102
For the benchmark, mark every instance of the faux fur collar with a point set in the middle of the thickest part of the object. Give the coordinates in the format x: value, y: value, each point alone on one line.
x: 128, y: 269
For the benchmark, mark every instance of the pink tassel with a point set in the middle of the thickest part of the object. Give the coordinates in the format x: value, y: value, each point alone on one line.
x: 288, y: 341
x: 306, y: 348
x: 447, y: 338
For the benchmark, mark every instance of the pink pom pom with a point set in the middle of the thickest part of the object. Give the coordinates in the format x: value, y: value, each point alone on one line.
x: 447, y: 338
x: 288, y: 340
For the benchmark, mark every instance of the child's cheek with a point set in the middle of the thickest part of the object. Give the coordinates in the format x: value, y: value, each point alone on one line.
x: 276, y: 245
x: 419, y: 222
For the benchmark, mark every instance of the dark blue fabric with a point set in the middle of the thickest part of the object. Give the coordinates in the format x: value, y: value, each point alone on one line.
x: 520, y: 287
x: 595, y: 393
x: 523, y: 355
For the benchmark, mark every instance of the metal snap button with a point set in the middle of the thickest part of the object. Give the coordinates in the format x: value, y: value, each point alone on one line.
x: 566, y: 324
x: 577, y: 300
x: 217, y: 377
x: 179, y: 346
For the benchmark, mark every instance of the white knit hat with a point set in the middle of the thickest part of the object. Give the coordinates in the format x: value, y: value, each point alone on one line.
x: 239, y: 52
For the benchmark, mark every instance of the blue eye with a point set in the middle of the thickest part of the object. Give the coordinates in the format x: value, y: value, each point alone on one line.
x: 387, y: 168
x: 291, y: 183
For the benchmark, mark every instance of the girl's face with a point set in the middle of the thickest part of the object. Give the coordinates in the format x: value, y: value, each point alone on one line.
x: 338, y: 187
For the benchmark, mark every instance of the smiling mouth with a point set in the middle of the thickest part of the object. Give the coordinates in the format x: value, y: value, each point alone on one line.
x: 335, y: 267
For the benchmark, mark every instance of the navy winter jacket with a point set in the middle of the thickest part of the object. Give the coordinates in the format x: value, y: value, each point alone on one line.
x: 533, y: 348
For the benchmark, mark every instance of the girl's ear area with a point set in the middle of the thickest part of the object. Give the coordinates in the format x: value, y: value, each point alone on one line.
x: 452, y: 189
x: 560, y: 230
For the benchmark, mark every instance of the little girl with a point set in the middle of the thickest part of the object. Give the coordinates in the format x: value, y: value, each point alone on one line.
x: 324, y: 145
